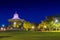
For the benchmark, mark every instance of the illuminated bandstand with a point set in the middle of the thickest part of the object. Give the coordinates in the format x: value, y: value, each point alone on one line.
x: 16, y: 22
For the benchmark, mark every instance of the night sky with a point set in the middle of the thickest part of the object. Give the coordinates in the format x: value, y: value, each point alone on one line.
x: 29, y: 10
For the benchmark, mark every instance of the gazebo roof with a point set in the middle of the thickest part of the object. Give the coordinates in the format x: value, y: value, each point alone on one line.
x: 16, y: 18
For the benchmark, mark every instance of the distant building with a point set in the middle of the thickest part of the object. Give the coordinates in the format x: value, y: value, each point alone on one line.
x: 15, y: 22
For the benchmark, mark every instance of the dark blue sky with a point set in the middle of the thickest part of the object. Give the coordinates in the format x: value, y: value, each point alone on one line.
x: 29, y: 10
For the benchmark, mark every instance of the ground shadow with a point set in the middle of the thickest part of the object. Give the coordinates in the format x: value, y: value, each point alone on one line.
x: 4, y: 36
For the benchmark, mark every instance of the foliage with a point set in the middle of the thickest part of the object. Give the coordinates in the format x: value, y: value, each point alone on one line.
x: 27, y: 25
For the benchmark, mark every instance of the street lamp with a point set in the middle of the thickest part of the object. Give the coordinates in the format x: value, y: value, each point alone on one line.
x: 3, y: 25
x: 56, y: 20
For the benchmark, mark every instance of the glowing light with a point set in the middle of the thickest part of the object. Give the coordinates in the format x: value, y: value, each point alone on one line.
x: 1, y: 29
x: 3, y: 25
x: 56, y: 20
x: 32, y: 27
x: 4, y: 29
x: 44, y: 26
x: 14, y: 22
x: 16, y: 16
x: 11, y: 28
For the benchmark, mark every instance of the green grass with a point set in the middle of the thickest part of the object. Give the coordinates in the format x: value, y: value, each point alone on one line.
x: 23, y: 35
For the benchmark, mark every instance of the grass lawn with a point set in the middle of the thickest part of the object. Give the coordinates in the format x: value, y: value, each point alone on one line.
x: 23, y: 35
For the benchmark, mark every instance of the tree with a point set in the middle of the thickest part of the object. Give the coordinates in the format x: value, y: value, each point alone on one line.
x: 27, y: 25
